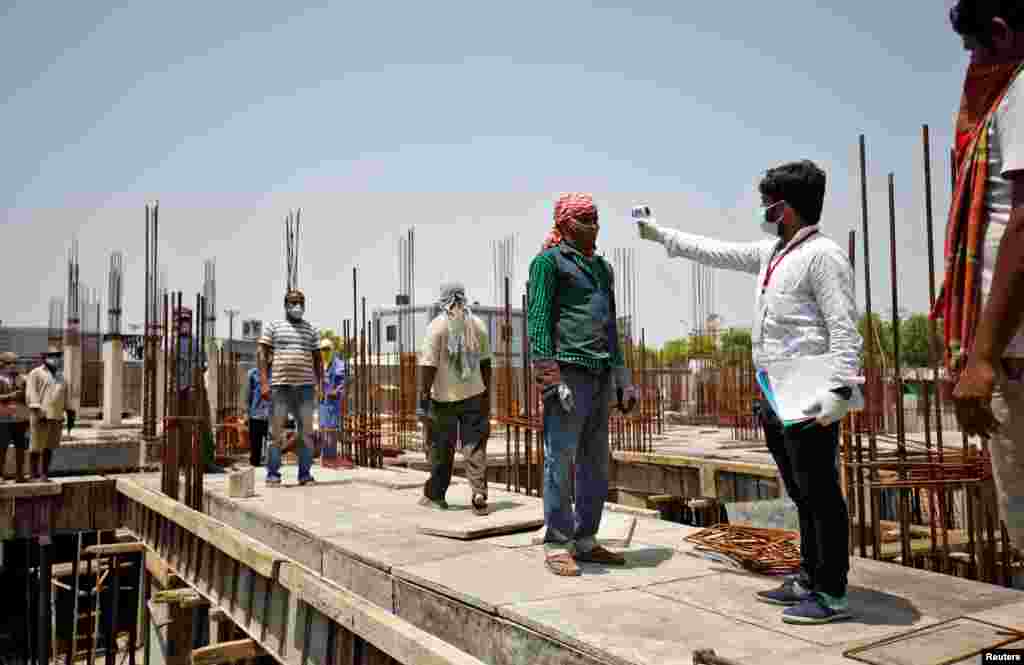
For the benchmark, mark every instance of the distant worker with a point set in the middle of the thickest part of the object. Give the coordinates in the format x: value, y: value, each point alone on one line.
x: 14, y: 415
x: 333, y: 392
x: 578, y: 364
x: 46, y: 393
x: 455, y: 400
x: 982, y: 302
x: 804, y: 307
x: 292, y: 346
x: 259, y: 414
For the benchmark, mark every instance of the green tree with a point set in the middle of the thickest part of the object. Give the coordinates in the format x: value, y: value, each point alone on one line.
x: 735, y: 340
x: 675, y: 350
x: 914, y: 349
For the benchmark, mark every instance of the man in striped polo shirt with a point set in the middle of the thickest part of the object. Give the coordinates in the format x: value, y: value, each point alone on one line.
x: 292, y: 345
x: 577, y: 362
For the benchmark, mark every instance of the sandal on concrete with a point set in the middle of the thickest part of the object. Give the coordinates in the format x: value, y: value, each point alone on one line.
x: 562, y: 564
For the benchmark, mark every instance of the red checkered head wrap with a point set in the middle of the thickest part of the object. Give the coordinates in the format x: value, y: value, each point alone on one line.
x: 575, y: 221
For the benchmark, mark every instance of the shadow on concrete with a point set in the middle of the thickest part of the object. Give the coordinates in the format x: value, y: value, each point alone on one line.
x: 877, y: 608
x: 639, y: 559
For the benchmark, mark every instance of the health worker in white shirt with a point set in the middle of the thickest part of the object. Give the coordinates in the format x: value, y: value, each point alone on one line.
x: 804, y: 306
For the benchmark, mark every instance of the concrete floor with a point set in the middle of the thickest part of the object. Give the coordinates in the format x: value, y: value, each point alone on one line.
x: 492, y: 596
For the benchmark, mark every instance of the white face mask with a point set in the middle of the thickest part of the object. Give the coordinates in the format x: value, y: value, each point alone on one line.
x: 295, y: 312
x: 771, y: 228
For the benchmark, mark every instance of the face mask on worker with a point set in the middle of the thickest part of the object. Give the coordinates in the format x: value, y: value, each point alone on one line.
x: 772, y: 228
x: 295, y: 311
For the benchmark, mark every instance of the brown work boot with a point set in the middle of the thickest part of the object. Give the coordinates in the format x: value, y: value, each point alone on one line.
x: 601, y: 555
x: 561, y: 564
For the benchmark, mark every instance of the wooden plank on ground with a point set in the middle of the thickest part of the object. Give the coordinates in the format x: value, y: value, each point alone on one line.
x: 29, y: 490
x: 398, y: 638
x: 227, y: 652
x: 232, y: 542
x: 115, y: 549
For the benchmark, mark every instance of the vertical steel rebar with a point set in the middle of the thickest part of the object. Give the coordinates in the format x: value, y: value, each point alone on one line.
x: 901, y: 432
x: 869, y: 358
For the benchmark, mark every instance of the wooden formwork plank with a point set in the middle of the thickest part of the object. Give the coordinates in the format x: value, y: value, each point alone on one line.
x: 235, y: 544
x: 227, y: 652
x: 390, y: 634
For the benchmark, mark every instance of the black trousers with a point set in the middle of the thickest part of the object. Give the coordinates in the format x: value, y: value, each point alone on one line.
x: 257, y: 433
x: 806, y: 456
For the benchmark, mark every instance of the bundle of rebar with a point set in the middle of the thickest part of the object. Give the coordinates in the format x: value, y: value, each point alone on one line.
x: 766, y: 551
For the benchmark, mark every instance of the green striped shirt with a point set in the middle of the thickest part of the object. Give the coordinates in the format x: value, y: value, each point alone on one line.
x: 543, y: 282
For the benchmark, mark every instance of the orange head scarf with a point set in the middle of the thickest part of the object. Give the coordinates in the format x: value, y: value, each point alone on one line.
x: 576, y: 222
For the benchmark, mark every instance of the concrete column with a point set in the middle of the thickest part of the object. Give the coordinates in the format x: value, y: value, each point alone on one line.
x: 113, y: 381
x: 708, y: 481
x: 161, y: 384
x: 73, y: 370
x: 212, y: 378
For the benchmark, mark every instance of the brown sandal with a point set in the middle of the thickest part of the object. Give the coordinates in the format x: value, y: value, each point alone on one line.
x: 562, y: 564
x: 601, y: 555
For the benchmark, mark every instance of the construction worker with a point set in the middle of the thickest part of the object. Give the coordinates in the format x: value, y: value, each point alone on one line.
x: 982, y: 301
x: 332, y: 391
x: 259, y: 415
x: 46, y: 392
x: 14, y: 415
x: 804, y: 307
x: 292, y: 345
x: 455, y: 403
x: 578, y: 365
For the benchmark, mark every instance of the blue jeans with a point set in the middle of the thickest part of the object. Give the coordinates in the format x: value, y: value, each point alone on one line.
x: 298, y: 402
x: 583, y: 435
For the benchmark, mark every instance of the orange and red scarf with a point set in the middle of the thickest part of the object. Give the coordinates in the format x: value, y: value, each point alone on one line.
x: 959, y: 303
x: 575, y: 221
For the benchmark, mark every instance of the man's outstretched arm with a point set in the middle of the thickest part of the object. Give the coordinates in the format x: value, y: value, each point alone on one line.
x: 739, y: 256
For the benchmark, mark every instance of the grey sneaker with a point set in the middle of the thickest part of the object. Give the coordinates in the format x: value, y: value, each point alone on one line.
x: 273, y: 482
x: 307, y: 481
x: 480, y: 505
x: 789, y: 593
x: 427, y: 502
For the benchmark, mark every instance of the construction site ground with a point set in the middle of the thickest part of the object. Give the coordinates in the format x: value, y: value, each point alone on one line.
x: 491, y: 595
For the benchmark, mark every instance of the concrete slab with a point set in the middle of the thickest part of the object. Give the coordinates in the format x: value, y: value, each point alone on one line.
x: 1011, y: 616
x: 876, y: 614
x: 958, y: 640
x: 507, y: 514
x: 385, y: 549
x: 635, y: 628
x: 500, y: 577
x: 930, y: 593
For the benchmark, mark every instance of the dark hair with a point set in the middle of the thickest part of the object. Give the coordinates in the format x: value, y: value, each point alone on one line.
x: 973, y: 18
x: 800, y: 184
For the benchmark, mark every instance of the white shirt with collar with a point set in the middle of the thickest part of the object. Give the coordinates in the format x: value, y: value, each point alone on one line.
x: 807, y: 307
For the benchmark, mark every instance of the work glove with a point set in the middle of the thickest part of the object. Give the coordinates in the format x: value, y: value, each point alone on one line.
x: 646, y: 224
x: 828, y: 407
x: 71, y: 415
x: 548, y: 376
x: 625, y: 391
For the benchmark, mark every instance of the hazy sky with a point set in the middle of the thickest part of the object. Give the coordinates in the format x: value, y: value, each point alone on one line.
x: 463, y: 119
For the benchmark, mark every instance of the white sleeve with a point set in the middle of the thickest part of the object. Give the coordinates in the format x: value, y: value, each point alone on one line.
x: 1010, y: 129
x: 832, y: 278
x: 743, y: 257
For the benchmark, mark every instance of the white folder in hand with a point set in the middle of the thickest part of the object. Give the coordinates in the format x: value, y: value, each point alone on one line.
x: 793, y: 385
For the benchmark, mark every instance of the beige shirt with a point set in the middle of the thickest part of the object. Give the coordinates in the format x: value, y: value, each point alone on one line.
x: 45, y: 392
x: 434, y: 353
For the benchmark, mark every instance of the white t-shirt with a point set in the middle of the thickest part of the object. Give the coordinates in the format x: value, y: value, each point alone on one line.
x: 1006, y: 155
x: 434, y: 353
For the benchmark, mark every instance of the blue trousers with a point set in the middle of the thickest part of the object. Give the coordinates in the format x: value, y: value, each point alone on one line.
x: 297, y: 401
x: 581, y: 436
